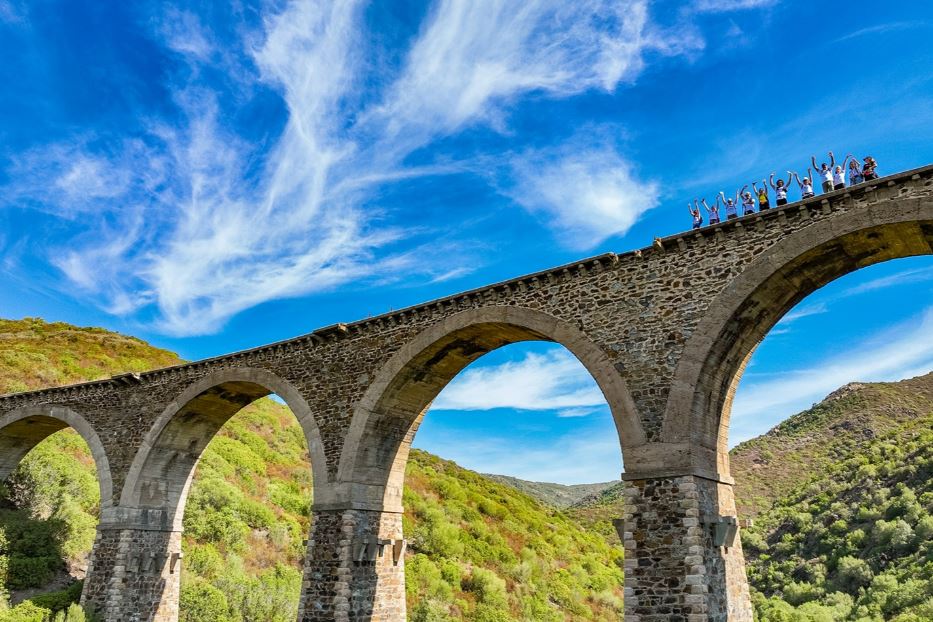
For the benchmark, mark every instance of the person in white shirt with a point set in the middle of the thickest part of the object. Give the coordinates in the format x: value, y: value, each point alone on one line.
x: 806, y: 185
x: 780, y: 190
x: 839, y: 174
x: 826, y: 171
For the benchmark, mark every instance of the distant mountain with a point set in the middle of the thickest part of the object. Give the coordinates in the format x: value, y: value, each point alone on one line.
x: 557, y: 495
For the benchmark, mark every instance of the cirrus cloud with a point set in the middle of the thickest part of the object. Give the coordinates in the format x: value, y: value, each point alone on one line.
x: 186, y: 222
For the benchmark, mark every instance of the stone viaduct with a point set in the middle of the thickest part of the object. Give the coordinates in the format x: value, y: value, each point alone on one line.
x: 666, y: 332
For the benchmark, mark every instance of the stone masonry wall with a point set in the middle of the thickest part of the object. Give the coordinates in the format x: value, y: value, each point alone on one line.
x: 134, y: 576
x: 355, y: 568
x: 673, y: 571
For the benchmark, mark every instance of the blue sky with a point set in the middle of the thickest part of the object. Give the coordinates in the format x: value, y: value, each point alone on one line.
x: 214, y: 177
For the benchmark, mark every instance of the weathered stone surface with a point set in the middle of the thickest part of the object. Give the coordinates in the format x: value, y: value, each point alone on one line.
x: 665, y: 331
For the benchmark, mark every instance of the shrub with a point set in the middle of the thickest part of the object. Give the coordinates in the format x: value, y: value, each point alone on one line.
x: 25, y: 612
x: 852, y: 573
x: 202, y: 602
x: 488, y: 587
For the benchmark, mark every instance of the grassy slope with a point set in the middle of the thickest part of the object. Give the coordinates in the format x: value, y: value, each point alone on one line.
x: 35, y: 354
x: 479, y: 549
x: 557, y: 495
x: 854, y: 542
x: 768, y: 467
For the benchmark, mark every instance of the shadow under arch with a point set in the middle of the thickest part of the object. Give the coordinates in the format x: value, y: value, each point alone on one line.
x: 24, y: 428
x: 741, y: 316
x: 372, y: 464
x: 161, y: 473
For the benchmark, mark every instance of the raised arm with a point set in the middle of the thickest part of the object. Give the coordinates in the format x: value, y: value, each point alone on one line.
x: 755, y: 186
x: 771, y: 181
x: 744, y: 188
x: 832, y: 160
x: 705, y: 205
x: 845, y: 163
x: 813, y: 160
x: 796, y: 178
x: 787, y: 183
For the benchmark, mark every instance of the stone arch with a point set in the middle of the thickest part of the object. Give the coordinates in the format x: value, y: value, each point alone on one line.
x: 747, y: 309
x: 162, y: 470
x: 24, y: 428
x: 372, y: 465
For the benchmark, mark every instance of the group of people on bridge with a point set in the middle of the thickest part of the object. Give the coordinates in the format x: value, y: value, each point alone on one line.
x: 833, y: 177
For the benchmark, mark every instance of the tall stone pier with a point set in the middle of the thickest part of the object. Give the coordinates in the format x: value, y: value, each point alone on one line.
x: 665, y: 332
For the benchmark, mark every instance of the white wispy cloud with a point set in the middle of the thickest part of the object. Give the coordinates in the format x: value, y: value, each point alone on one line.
x: 721, y: 6
x: 804, y: 311
x: 551, y: 381
x: 472, y: 57
x: 184, y: 33
x: 191, y: 224
x: 9, y: 14
x: 584, y: 195
x: 570, y: 413
x: 881, y: 29
x: 906, y: 277
x: 899, y: 352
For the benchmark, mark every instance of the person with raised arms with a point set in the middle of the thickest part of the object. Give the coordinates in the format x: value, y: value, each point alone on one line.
x: 763, y: 201
x: 695, y: 212
x: 825, y: 171
x: 839, y: 174
x: 713, y: 211
x: 748, y: 202
x: 780, y: 190
x: 806, y: 184
x: 731, y: 204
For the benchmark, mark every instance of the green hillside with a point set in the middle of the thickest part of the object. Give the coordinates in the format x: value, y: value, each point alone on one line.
x: 855, y: 543
x: 479, y: 550
x: 35, y: 354
x: 845, y: 423
x: 557, y: 495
